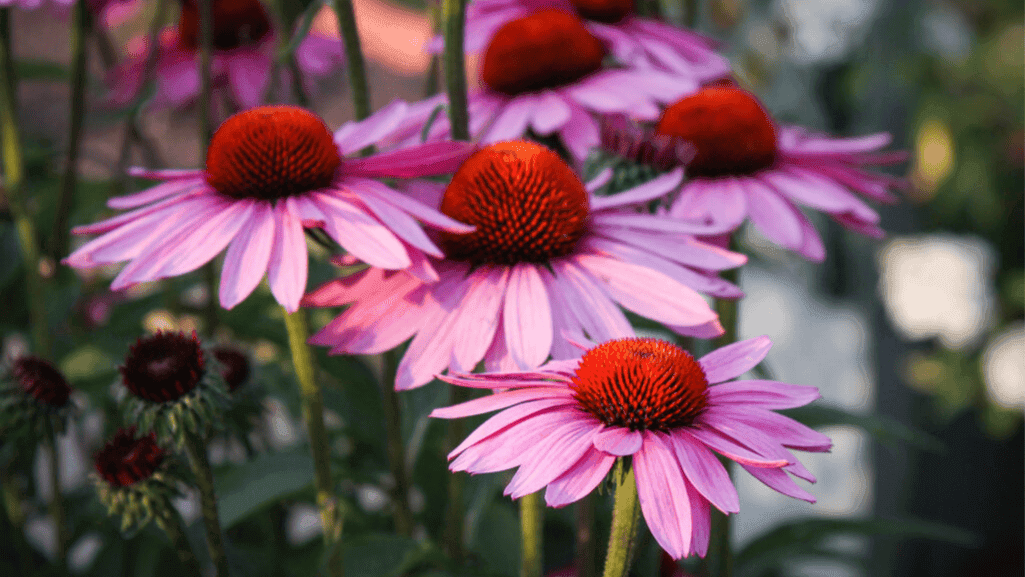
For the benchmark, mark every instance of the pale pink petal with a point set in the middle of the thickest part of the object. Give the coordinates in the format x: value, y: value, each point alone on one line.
x: 580, y: 479
x: 400, y: 223
x: 289, y: 259
x: 720, y: 201
x: 246, y: 260
x: 774, y: 216
x: 366, y: 238
x: 663, y: 495
x: 701, y: 521
x: 194, y: 197
x: 511, y: 122
x: 499, y: 401
x: 779, y: 428
x: 705, y: 472
x: 551, y: 113
x: 734, y: 360
x: 431, y: 349
x: 600, y: 180
x: 417, y: 207
x: 631, y: 220
x: 505, y: 449
x: 651, y: 190
x: 764, y: 394
x: 508, y: 417
x: 355, y: 136
x: 778, y: 480
x: 479, y: 316
x: 551, y: 457
x: 589, y: 303
x: 580, y: 134
x: 378, y: 322
x: 618, y: 441
x: 811, y: 245
x: 128, y: 241
x: 163, y: 174
x: 648, y: 292
x: 527, y: 317
x: 428, y: 159
x: 161, y: 191
x: 726, y: 446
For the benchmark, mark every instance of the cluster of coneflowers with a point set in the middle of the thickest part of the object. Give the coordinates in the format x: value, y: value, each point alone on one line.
x: 468, y: 230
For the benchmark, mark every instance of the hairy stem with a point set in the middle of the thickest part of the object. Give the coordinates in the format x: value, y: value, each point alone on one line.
x: 313, y: 413
x: 532, y: 523
x: 453, y: 16
x: 195, y: 448
x: 354, y: 58
x: 625, y: 515
x: 81, y: 26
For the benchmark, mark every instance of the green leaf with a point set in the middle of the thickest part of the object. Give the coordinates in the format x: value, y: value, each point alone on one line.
x: 245, y: 489
x: 808, y: 536
x: 885, y: 429
x: 380, y: 555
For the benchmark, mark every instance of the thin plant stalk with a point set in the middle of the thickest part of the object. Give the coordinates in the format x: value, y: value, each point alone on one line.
x: 57, y: 508
x: 455, y: 517
x: 14, y: 184
x: 195, y: 448
x: 689, y: 13
x: 206, y: 131
x: 453, y: 17
x: 313, y: 413
x: 626, y: 514
x: 174, y: 527
x: 396, y: 448
x: 532, y: 519
x: 583, y: 561
x: 81, y: 25
x: 346, y: 15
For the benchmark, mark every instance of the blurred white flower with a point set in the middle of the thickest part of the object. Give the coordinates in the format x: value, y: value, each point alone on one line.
x: 1003, y: 367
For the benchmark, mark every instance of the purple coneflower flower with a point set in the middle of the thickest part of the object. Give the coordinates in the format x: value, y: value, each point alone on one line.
x: 271, y: 172
x: 566, y: 423
x: 632, y: 40
x: 547, y: 258
x: 243, y: 53
x: 742, y: 165
x: 544, y: 72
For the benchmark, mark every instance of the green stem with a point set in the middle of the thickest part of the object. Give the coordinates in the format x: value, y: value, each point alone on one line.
x: 689, y: 13
x: 80, y: 30
x: 583, y: 562
x: 206, y: 131
x: 313, y: 413
x: 16, y: 516
x: 14, y: 183
x: 625, y: 515
x: 354, y: 58
x: 195, y: 448
x: 174, y: 526
x: 455, y: 517
x: 396, y: 449
x: 453, y: 16
x: 57, y: 509
x: 532, y: 521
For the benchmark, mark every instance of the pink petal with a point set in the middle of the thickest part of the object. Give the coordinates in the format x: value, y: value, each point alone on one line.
x: 811, y: 244
x: 551, y: 113
x: 159, y: 192
x: 651, y: 190
x: 377, y: 323
x: 289, y: 259
x: 551, y: 457
x: 589, y: 303
x: 479, y: 316
x: 735, y: 359
x: 663, y: 495
x: 660, y: 224
x: 581, y: 133
x: 163, y: 174
x: 527, y: 317
x: 580, y: 479
x: 721, y: 201
x: 505, y: 449
x: 506, y: 418
x: 779, y: 428
x: 248, y: 254
x: 366, y: 238
x: 701, y: 521
x: 778, y: 480
x: 428, y: 159
x: 355, y: 136
x: 618, y: 441
x: 499, y: 401
x: 400, y: 223
x: 726, y: 446
x: 773, y: 215
x: 764, y: 394
x: 705, y: 472
x: 248, y: 76
x: 416, y: 208
x: 511, y: 122
x: 431, y: 349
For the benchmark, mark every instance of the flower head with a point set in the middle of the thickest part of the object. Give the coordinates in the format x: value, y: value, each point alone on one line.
x: 566, y: 423
x: 41, y: 380
x: 746, y: 166
x: 127, y: 459
x: 243, y: 55
x: 33, y: 395
x: 546, y: 258
x: 271, y: 172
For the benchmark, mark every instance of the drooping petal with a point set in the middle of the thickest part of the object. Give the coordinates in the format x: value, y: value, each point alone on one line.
x: 428, y: 159
x: 778, y: 480
x: 365, y: 237
x: 764, y: 394
x: 663, y: 495
x: 289, y: 259
x: 618, y: 441
x: 248, y: 76
x: 705, y: 472
x: 734, y: 360
x: 651, y: 190
x: 579, y: 480
x: 527, y: 317
x: 726, y: 446
x: 246, y: 261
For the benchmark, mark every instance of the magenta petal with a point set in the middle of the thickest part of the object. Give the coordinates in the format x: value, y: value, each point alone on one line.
x: 159, y: 192
x: 618, y: 441
x: 418, y: 209
x: 355, y: 136
x: 589, y: 303
x: 365, y: 237
x: 289, y: 260
x: 663, y: 495
x: 506, y: 448
x: 734, y: 360
x: 581, y: 133
x: 400, y: 223
x: 580, y: 479
x: 246, y: 260
x: 527, y: 317
x: 726, y: 446
x: 781, y: 429
x: 499, y: 401
x: 479, y: 316
x: 774, y: 216
x: 506, y: 418
x: 511, y: 122
x: 811, y: 245
x: 778, y: 480
x: 163, y: 174
x: 552, y: 457
x: 701, y: 518
x: 248, y: 76
x: 427, y: 159
x: 705, y: 472
x: 651, y: 190
x: 552, y: 113
x: 764, y: 394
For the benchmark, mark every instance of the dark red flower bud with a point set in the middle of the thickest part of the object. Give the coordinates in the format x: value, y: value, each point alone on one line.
x: 42, y: 380
x: 163, y: 367
x: 126, y: 460
x: 234, y: 367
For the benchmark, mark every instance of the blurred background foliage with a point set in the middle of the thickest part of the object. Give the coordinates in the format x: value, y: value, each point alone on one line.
x: 942, y: 299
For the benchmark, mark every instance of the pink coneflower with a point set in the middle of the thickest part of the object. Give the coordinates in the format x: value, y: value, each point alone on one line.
x: 742, y: 165
x: 544, y: 72
x: 565, y: 424
x: 243, y: 53
x: 547, y: 258
x: 271, y: 172
x: 632, y: 40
